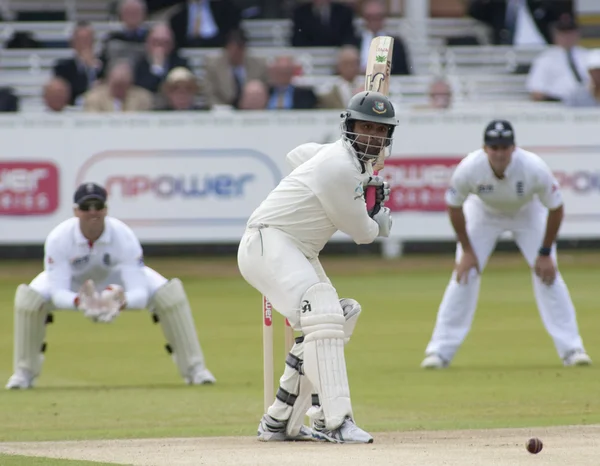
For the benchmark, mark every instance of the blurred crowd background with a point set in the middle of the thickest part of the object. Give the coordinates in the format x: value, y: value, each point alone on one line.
x: 178, y: 55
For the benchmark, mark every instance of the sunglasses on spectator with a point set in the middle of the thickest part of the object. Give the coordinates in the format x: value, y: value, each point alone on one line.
x: 97, y: 205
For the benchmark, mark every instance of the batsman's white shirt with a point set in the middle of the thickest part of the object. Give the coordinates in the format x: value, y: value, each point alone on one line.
x: 527, y: 179
x: 323, y: 194
x: 116, y: 257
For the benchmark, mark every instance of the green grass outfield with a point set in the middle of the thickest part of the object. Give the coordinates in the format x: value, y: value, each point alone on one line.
x: 116, y: 381
x: 17, y: 460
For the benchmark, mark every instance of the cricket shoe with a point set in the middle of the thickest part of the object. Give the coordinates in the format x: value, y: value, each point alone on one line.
x: 347, y: 432
x: 434, y: 361
x: 20, y: 380
x: 577, y: 358
x: 200, y: 376
x: 272, y: 430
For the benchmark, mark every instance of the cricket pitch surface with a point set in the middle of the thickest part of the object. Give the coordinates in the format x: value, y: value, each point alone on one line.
x: 575, y: 445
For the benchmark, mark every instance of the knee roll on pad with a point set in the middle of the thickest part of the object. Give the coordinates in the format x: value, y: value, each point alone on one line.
x: 171, y: 305
x: 322, y: 320
x: 30, y: 330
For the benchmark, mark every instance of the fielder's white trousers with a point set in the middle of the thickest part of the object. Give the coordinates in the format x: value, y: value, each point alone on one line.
x: 154, y: 281
x: 270, y: 262
x: 455, y: 314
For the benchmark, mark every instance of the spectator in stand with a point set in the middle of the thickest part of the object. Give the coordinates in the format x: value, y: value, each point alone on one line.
x: 128, y: 43
x: 255, y: 96
x: 283, y: 94
x: 83, y: 70
x: 57, y: 95
x: 374, y: 13
x: 348, y: 82
x: 118, y: 94
x: 562, y: 68
x: 520, y: 22
x: 181, y: 90
x: 205, y: 23
x: 588, y: 95
x: 227, y: 74
x: 322, y: 23
x: 160, y: 58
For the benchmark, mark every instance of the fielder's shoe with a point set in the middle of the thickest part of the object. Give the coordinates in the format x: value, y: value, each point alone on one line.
x: 21, y: 379
x: 577, y: 358
x: 348, y: 432
x: 272, y: 430
x: 200, y: 376
x: 434, y: 361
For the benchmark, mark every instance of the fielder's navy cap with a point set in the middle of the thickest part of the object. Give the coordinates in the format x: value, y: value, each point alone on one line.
x: 88, y: 191
x: 499, y: 133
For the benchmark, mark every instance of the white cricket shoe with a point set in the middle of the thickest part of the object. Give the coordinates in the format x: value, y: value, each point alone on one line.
x: 20, y: 380
x: 272, y: 430
x: 434, y: 361
x: 347, y: 432
x: 200, y: 376
x: 577, y: 358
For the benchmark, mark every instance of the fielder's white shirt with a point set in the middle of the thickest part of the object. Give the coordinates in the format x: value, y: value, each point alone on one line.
x: 324, y: 193
x: 70, y: 259
x: 526, y: 179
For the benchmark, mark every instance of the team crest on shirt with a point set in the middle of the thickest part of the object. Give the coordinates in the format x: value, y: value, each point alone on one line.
x: 106, y: 259
x: 520, y: 188
x: 379, y: 108
x: 485, y: 188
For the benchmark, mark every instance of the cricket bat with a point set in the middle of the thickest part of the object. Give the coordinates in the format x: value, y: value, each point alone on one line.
x: 377, y: 78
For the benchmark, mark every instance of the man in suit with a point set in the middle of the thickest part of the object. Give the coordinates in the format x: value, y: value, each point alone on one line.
x: 374, y: 13
x: 205, y: 23
x: 255, y: 96
x: 160, y: 58
x: 129, y: 42
x: 227, y: 74
x: 322, y: 23
x: 84, y: 69
x: 118, y: 94
x: 520, y: 22
x: 348, y: 82
x: 283, y: 94
x: 9, y: 102
x: 56, y: 94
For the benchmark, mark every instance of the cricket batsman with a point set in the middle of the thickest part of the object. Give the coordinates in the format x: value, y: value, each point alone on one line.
x: 496, y: 189
x: 279, y: 256
x: 94, y: 264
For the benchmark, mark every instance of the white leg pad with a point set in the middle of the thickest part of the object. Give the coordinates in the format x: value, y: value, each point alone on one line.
x: 171, y: 306
x: 30, y: 330
x: 322, y: 321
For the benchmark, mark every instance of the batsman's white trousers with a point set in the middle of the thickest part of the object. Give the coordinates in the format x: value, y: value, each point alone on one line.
x: 154, y: 281
x: 528, y: 226
x: 270, y: 262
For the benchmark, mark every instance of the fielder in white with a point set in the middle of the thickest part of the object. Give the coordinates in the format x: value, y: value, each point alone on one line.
x: 279, y: 256
x: 493, y: 190
x: 94, y: 264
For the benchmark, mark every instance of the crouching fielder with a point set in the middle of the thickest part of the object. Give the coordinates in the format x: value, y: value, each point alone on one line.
x: 497, y: 189
x: 278, y: 255
x: 94, y: 264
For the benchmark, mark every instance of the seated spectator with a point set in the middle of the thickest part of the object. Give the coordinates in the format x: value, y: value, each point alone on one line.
x: 322, y: 23
x: 439, y: 96
x: 9, y: 102
x: 57, y: 95
x: 255, y: 96
x: 83, y: 70
x: 205, y: 23
x: 127, y: 43
x: 180, y: 91
x: 283, y: 94
x: 588, y: 95
x: 348, y: 82
x: 374, y: 13
x: 520, y: 22
x: 560, y: 69
x: 160, y: 58
x: 118, y: 94
x: 227, y: 73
